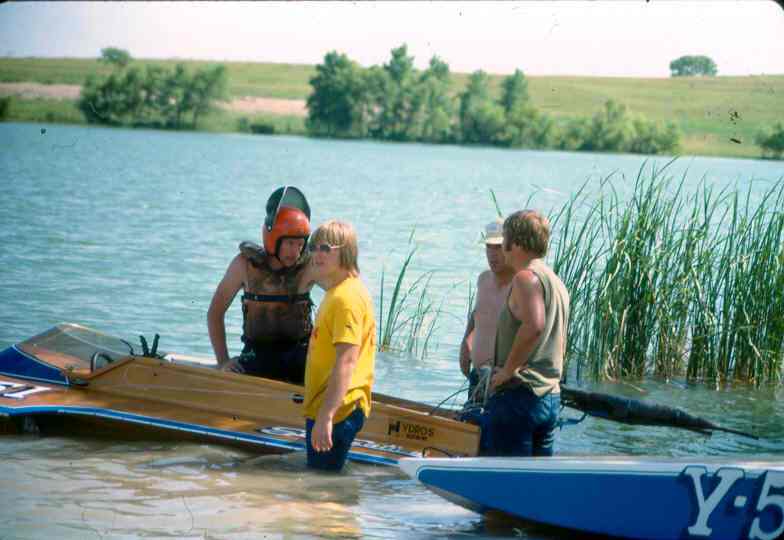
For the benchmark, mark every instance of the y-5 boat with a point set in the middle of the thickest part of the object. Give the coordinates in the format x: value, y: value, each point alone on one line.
x: 622, y: 496
x: 72, y: 380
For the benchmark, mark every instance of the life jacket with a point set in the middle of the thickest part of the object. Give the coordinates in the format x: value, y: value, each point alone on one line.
x: 257, y: 257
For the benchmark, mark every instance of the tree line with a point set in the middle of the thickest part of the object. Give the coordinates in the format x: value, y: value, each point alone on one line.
x: 397, y: 102
x: 154, y: 97
x: 394, y: 102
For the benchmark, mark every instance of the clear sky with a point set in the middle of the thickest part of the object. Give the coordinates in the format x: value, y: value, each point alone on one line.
x: 603, y: 38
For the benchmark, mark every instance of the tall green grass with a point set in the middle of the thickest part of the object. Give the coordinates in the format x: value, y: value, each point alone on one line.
x: 43, y: 110
x: 216, y: 121
x: 576, y: 253
x: 667, y: 282
x: 409, y: 320
x: 742, y: 322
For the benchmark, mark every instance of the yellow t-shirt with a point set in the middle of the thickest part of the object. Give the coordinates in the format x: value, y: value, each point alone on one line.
x: 344, y: 316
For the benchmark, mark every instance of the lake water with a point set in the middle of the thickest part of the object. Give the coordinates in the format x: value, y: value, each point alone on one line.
x: 129, y: 232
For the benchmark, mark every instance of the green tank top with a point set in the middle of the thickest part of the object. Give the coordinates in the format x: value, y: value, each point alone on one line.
x: 543, y: 372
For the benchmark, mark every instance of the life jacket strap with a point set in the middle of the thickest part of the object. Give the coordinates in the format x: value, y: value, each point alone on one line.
x: 304, y: 297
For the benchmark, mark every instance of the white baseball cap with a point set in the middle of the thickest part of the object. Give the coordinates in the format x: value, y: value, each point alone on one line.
x: 494, y: 233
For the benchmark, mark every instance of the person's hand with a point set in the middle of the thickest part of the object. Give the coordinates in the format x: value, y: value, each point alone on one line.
x: 500, y: 377
x: 321, y: 436
x: 233, y: 366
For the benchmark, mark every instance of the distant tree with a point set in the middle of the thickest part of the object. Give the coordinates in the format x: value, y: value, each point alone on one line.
x: 438, y: 104
x: 613, y: 130
x: 481, y: 118
x: 398, y: 99
x: 337, y: 105
x: 128, y: 99
x: 525, y: 126
x: 116, y: 57
x: 157, y: 97
x: 207, y: 86
x: 120, y: 98
x: 514, y: 91
x: 174, y: 99
x: 152, y: 88
x: 690, y: 66
x: 772, y: 141
x: 376, y: 83
x: 5, y: 106
x: 100, y: 101
x: 572, y: 134
x: 649, y: 138
x: 609, y: 130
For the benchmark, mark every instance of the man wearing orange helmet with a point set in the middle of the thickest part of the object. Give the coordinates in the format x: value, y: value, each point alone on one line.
x: 276, y: 306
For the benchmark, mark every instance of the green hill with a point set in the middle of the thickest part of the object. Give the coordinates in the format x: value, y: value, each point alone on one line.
x: 710, y: 111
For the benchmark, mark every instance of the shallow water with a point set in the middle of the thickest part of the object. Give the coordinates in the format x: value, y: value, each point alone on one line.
x: 129, y: 232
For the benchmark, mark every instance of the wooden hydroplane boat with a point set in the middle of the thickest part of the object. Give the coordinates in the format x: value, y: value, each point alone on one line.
x: 71, y: 379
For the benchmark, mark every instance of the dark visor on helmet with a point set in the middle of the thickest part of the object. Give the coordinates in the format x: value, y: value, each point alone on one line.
x: 285, y: 196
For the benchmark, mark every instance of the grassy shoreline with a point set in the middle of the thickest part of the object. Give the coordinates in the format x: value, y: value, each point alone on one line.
x: 712, y: 112
x: 64, y: 111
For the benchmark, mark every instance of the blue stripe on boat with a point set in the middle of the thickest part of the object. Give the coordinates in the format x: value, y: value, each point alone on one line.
x: 181, y: 426
x: 18, y: 364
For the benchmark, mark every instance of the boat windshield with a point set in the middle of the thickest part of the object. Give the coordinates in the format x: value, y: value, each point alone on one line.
x: 76, y: 343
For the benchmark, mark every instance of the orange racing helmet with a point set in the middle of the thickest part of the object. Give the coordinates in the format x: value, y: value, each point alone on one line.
x: 288, y: 216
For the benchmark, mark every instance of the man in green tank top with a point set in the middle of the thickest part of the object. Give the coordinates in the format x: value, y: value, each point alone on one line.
x: 523, y: 408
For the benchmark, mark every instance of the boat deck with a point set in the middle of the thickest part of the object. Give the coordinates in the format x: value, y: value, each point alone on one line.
x: 64, y: 374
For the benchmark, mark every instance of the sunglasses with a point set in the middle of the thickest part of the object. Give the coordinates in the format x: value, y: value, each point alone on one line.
x: 323, y: 248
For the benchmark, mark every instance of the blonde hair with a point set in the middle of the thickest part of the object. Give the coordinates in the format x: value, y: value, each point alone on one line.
x: 528, y: 229
x: 339, y: 233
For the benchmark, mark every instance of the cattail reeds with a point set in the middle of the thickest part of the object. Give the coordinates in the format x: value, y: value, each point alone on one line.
x: 670, y: 283
x: 410, y: 319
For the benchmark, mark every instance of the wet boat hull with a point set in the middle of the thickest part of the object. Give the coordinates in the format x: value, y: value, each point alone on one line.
x: 627, y: 497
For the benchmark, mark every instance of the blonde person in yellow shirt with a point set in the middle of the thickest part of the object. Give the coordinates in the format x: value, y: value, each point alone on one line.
x: 342, y: 350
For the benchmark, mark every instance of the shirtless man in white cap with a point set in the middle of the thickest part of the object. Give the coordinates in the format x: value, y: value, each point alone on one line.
x: 492, y: 289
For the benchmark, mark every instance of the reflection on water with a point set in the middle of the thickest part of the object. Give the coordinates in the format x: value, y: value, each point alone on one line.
x: 63, y: 488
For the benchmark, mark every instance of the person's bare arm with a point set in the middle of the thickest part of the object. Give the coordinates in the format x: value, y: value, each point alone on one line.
x: 467, y: 345
x: 527, y: 304
x: 308, y: 277
x: 221, y: 300
x: 346, y: 357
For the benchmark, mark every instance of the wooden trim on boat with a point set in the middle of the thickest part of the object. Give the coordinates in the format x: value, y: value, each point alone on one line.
x: 150, y: 394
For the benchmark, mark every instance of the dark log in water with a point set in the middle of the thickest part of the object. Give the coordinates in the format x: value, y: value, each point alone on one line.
x: 633, y: 411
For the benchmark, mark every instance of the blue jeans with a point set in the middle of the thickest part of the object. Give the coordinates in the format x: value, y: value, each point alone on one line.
x: 518, y: 423
x: 343, y: 434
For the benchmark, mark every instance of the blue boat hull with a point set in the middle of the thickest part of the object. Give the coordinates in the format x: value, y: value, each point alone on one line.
x: 628, y: 497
